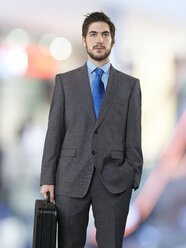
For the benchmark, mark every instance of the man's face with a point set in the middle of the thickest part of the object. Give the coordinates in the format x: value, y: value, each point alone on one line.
x: 98, y: 41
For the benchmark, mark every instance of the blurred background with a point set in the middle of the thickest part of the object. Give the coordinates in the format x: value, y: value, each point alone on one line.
x: 39, y: 39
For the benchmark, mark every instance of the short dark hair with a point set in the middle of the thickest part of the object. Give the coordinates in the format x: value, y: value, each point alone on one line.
x: 97, y: 17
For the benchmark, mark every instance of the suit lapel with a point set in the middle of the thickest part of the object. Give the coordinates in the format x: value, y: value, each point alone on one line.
x: 85, y: 91
x: 86, y: 95
x: 111, y: 89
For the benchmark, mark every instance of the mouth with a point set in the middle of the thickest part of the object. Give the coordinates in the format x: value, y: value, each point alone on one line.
x: 99, y: 48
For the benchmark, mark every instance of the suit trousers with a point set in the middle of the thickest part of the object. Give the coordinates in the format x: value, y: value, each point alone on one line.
x: 109, y: 210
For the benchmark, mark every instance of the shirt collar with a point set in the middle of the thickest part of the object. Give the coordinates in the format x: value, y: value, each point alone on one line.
x: 91, y: 67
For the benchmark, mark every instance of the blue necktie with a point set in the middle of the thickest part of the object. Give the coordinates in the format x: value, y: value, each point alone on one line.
x: 98, y: 90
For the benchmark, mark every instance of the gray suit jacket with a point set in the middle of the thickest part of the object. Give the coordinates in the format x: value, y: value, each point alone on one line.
x: 76, y: 142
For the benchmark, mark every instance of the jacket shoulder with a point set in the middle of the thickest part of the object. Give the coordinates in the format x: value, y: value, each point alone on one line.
x: 126, y: 76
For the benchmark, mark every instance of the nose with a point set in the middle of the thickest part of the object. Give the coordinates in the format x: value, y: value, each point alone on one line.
x: 100, y: 39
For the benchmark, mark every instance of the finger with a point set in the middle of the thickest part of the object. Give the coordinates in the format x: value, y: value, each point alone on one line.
x: 42, y: 192
x: 45, y: 195
x: 51, y: 195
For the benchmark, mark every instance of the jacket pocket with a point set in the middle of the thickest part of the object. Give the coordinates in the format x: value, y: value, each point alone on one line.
x: 68, y: 153
x: 117, y: 154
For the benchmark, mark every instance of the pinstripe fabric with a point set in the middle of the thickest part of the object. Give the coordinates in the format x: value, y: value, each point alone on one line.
x: 109, y: 210
x: 76, y: 142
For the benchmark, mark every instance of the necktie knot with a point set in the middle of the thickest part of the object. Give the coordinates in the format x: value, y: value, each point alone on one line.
x: 98, y: 71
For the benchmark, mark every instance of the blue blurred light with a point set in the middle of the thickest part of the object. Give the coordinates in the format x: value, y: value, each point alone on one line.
x: 149, y: 237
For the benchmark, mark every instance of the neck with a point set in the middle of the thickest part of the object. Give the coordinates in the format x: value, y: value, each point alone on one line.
x: 98, y: 63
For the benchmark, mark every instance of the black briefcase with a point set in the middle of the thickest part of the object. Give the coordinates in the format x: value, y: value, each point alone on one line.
x: 45, y: 224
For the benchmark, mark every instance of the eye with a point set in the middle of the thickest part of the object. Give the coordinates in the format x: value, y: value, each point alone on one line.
x: 92, y: 35
x: 106, y: 34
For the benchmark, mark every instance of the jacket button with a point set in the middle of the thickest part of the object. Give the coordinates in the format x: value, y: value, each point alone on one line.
x: 93, y: 152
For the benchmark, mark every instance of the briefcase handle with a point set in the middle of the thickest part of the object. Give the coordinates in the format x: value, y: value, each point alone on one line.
x: 47, y: 201
x: 48, y: 197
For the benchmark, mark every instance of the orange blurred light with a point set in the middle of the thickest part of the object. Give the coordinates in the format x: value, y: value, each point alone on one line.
x: 40, y: 65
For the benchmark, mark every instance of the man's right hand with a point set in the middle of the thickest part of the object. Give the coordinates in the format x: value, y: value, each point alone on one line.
x: 45, y: 189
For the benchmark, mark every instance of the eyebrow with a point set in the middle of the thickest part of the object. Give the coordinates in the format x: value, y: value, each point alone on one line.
x: 95, y: 32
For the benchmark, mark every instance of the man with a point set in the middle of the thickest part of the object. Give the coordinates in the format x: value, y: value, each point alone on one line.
x: 92, y: 154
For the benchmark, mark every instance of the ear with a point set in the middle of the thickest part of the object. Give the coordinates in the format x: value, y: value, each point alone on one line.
x: 84, y: 41
x: 113, y: 42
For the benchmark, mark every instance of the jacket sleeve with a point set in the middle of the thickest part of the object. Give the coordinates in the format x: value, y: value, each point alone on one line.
x: 54, y: 135
x: 133, y: 134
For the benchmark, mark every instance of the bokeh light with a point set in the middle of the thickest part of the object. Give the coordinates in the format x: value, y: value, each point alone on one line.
x: 13, y: 61
x: 149, y: 237
x: 45, y: 42
x: 60, y: 48
x: 18, y: 37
